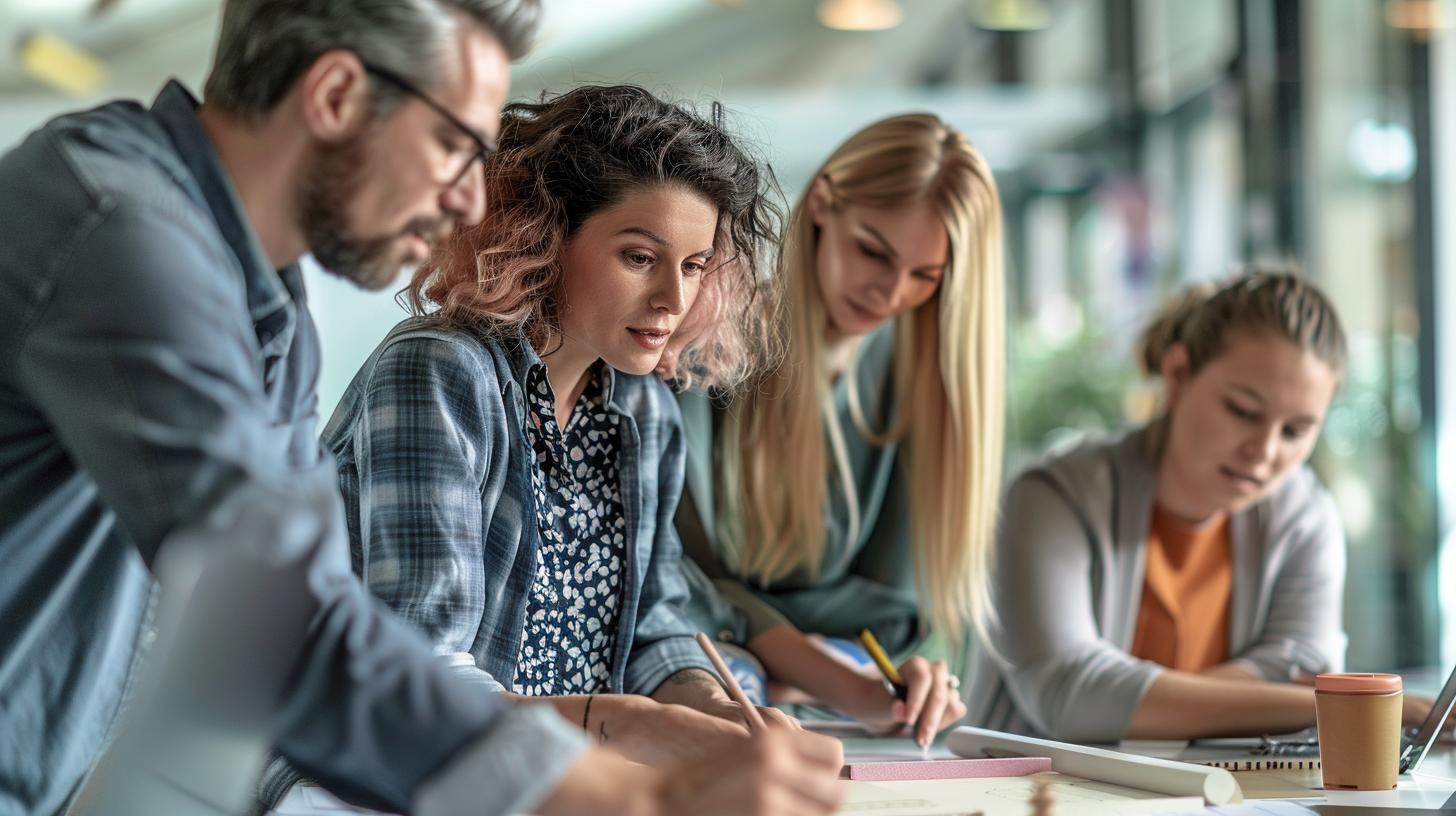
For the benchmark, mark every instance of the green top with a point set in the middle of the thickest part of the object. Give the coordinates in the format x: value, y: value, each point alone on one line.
x: 867, y: 581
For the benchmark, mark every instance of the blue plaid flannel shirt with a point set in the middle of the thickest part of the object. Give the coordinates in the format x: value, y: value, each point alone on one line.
x: 434, y: 462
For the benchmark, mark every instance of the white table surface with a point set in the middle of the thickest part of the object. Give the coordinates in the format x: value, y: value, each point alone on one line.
x: 1428, y: 788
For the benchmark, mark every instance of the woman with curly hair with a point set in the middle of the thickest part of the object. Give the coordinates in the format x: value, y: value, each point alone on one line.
x: 510, y: 463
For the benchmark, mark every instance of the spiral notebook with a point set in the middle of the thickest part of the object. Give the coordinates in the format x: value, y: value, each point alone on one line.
x: 1252, y: 764
x: 1287, y: 752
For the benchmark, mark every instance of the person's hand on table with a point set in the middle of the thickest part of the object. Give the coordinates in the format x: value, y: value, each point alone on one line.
x: 776, y: 772
x: 1413, y: 712
x: 932, y: 698
x: 932, y: 701
x: 779, y: 771
x: 1415, y: 708
x: 733, y: 712
x: 701, y: 691
x: 661, y: 734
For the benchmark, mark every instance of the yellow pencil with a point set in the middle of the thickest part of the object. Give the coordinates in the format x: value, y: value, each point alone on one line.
x: 892, y: 675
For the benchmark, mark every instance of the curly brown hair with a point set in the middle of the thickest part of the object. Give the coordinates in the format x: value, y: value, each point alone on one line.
x: 566, y: 158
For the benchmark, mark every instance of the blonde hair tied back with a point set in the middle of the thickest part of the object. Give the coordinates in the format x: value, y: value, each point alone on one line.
x: 1275, y: 302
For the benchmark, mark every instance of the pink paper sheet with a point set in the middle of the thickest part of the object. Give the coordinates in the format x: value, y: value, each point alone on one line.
x: 916, y: 769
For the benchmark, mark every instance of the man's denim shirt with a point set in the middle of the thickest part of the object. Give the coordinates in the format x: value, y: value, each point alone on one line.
x: 435, y: 466
x: 153, y: 366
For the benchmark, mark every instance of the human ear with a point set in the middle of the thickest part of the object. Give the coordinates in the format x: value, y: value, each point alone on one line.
x: 820, y: 201
x: 1175, y: 370
x: 334, y: 96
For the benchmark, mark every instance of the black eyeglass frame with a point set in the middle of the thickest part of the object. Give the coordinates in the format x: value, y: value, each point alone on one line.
x: 484, y: 146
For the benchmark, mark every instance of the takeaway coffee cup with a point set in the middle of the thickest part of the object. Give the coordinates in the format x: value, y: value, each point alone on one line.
x: 1359, y: 730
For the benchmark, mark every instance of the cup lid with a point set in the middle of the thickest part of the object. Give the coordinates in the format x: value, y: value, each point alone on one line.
x: 1352, y: 683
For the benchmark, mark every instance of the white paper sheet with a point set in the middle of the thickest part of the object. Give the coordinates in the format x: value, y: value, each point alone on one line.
x: 1006, y: 796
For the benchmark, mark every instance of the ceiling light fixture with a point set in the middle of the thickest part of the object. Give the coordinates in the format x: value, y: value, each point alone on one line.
x: 1011, y: 15
x: 40, y: 10
x: 1421, y: 18
x: 860, y: 15
x: 59, y: 64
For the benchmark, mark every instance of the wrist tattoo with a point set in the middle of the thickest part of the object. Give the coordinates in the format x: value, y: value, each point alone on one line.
x: 602, y: 733
x: 586, y: 715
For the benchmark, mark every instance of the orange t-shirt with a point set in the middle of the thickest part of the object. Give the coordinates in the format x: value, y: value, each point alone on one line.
x: 1183, y: 622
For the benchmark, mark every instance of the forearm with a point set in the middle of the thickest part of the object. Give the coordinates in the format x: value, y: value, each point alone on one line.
x: 602, y: 782
x: 1180, y: 705
x: 571, y: 708
x: 1231, y: 671
x: 622, y: 722
x: 794, y: 660
x: 694, y: 688
x: 642, y: 729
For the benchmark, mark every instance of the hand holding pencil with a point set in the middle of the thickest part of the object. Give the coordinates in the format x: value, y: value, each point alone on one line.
x: 927, y: 696
x: 750, y: 711
x: 756, y: 718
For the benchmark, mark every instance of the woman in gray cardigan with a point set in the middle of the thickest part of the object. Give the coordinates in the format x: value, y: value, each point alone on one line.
x: 1174, y: 582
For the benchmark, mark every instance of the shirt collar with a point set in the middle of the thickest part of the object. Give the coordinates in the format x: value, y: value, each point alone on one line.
x: 609, y: 383
x: 176, y: 109
x: 524, y: 360
x: 599, y: 387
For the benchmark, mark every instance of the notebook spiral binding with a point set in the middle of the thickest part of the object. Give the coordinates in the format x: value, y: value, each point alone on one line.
x: 1262, y: 764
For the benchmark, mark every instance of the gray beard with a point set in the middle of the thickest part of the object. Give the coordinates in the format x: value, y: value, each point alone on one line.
x: 331, y: 183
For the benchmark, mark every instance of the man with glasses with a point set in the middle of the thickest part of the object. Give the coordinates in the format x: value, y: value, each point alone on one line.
x: 157, y: 417
x: 485, y: 146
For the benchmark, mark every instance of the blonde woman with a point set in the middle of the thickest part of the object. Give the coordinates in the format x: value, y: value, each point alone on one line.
x: 1171, y: 582
x: 855, y: 487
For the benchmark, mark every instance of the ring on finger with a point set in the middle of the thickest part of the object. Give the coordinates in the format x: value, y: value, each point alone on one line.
x: 953, y: 681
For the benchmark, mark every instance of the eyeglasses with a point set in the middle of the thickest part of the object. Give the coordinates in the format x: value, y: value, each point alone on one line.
x: 484, y: 147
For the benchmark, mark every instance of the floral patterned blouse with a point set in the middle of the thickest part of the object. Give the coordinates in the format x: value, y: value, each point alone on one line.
x: 576, y: 593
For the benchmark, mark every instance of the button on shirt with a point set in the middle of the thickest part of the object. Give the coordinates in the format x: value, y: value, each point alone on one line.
x: 575, y: 597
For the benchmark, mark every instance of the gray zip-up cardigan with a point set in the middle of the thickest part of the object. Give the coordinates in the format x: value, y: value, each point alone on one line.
x: 1069, y: 581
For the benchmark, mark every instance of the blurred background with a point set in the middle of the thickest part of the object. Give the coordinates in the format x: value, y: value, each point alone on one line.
x: 1139, y: 145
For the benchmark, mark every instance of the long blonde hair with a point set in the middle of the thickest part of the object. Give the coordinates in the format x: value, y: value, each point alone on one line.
x: 948, y: 384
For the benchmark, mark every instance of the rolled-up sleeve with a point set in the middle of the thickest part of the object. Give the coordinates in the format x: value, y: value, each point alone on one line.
x: 662, y: 642
x: 1055, y: 660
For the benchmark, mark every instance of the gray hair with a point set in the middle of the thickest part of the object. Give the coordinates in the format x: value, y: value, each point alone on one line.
x: 266, y: 45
